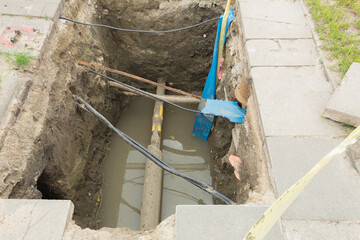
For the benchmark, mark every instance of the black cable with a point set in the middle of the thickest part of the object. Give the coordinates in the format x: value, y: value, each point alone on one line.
x: 204, y: 186
x: 138, y: 31
x: 146, y: 93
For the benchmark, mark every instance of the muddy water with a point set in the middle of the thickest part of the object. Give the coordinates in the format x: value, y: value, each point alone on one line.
x: 124, y: 166
x: 124, y: 169
x: 188, y: 154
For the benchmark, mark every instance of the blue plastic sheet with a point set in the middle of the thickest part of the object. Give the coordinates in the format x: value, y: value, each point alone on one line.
x: 203, y: 122
x: 227, y: 109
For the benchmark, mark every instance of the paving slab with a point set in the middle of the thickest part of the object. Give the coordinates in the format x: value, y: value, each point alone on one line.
x: 276, y: 52
x: 23, y: 34
x: 34, y: 219
x: 29, y: 8
x: 263, y: 19
x: 322, y: 230
x: 291, y: 101
x: 10, y: 81
x: 219, y: 222
x: 344, y: 105
x: 332, y: 195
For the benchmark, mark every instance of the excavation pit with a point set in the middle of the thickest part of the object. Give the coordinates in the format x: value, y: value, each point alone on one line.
x: 182, y: 59
x: 71, y: 146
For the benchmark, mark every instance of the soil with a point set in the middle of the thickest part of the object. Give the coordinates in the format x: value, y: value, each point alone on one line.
x: 243, y: 140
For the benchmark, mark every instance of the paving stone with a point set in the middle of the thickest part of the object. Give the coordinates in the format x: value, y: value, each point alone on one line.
x: 50, y: 10
x: 23, y: 34
x: 29, y: 8
x: 281, y: 52
x: 274, y: 19
x: 291, y: 101
x: 321, y: 230
x: 333, y: 194
x: 34, y: 219
x: 344, y: 105
x: 22, y: 8
x: 36, y: 9
x: 212, y: 222
x: 8, y: 87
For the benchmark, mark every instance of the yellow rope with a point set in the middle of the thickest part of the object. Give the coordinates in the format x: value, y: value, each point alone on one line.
x: 222, y: 37
x: 271, y: 216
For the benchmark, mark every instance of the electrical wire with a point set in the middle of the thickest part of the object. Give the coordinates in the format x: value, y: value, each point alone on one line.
x: 146, y: 93
x: 204, y: 186
x: 138, y: 31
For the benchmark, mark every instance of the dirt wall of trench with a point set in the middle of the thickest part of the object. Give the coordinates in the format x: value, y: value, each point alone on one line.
x: 241, y: 139
x: 53, y: 146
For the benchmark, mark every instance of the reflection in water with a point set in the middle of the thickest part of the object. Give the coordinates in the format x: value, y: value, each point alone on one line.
x: 122, y: 189
x: 124, y: 166
x: 188, y: 154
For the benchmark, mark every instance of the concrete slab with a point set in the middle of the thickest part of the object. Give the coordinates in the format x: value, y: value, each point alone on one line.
x: 291, y: 101
x: 212, y: 222
x: 332, y: 195
x: 321, y: 230
x: 50, y: 10
x: 344, y: 105
x: 23, y: 34
x: 42, y: 8
x: 275, y: 52
x: 10, y: 81
x: 274, y: 19
x: 34, y: 219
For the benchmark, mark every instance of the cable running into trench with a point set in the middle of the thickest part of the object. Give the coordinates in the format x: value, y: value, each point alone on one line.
x: 138, y: 31
x: 204, y: 186
x: 146, y: 93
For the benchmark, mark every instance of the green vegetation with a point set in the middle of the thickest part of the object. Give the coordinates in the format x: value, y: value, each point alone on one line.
x: 18, y: 59
x: 221, y: 183
x: 338, y: 25
x: 21, y: 59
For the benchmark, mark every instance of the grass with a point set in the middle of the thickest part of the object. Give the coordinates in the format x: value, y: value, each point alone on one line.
x: 21, y: 59
x: 338, y: 25
x: 18, y: 59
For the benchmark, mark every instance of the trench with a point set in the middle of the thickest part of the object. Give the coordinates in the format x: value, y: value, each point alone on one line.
x: 107, y: 192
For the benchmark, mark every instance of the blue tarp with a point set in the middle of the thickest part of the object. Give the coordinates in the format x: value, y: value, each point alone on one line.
x: 227, y: 109
x: 203, y: 122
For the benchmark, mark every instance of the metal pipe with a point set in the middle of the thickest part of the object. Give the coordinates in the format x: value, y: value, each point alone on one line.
x: 153, y: 178
x: 170, y: 98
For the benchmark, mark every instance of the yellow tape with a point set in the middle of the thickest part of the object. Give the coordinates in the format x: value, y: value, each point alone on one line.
x: 161, y: 111
x: 271, y: 216
x: 222, y: 37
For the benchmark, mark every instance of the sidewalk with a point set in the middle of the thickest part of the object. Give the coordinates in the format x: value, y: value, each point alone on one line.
x: 292, y: 89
